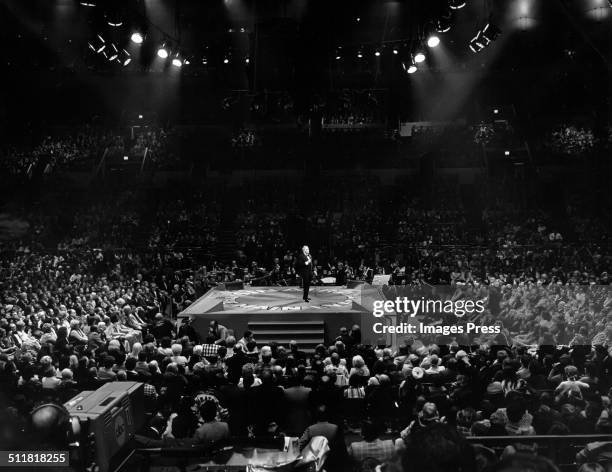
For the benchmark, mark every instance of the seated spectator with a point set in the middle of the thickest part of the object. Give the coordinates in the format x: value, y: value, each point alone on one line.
x: 372, y: 445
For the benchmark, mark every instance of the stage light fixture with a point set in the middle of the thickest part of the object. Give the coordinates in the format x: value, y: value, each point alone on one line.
x: 204, y: 61
x: 125, y: 158
x: 176, y: 61
x: 90, y: 4
x: 444, y: 23
x: 490, y: 32
x: 114, y: 18
x: 456, y: 4
x: 495, y: 111
x: 477, y: 43
x: 409, y: 67
x: 113, y: 52
x: 377, y: 53
x: 395, y: 51
x: 98, y: 44
x: 162, y: 52
x: 140, y: 117
x: 225, y: 60
x: 124, y: 57
x: 433, y: 41
x: 419, y: 57
x: 137, y: 37
x: 247, y: 60
x: 359, y: 54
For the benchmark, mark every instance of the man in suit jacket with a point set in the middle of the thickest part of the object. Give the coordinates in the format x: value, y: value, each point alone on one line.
x: 305, y: 269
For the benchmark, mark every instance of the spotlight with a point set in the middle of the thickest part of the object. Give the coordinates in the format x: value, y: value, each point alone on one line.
x: 377, y: 53
x: 90, y: 3
x: 359, y: 54
x: 176, y: 61
x: 433, y: 41
x: 395, y: 51
x: 419, y: 57
x: 204, y: 61
x: 225, y: 60
x: 456, y: 4
x: 125, y: 158
x: 137, y: 38
x: 495, y: 111
x: 124, y: 58
x: 338, y: 53
x: 162, y: 51
x: 410, y: 67
x: 490, y: 32
x: 113, y: 53
x: 247, y: 60
x: 140, y: 117
x: 506, y: 153
x: 98, y: 44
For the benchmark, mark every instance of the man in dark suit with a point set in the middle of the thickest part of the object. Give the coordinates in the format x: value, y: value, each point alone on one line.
x: 305, y: 269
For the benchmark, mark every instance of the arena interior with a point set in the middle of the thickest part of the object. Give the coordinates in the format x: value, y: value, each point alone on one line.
x: 163, y: 163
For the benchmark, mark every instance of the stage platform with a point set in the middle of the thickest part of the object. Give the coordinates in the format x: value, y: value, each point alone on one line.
x: 279, y: 313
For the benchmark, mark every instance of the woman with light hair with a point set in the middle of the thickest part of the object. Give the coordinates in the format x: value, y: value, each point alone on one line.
x: 177, y: 356
x: 136, y: 350
x: 73, y: 362
x: 359, y: 367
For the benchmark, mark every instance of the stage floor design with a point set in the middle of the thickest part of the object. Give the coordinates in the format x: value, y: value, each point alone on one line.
x: 280, y: 299
x: 280, y: 314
